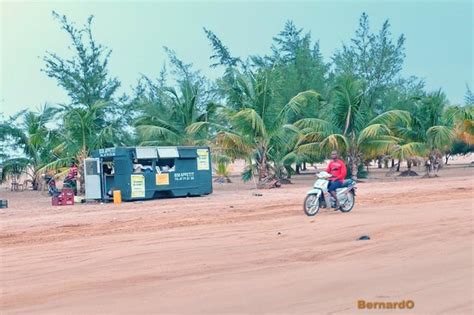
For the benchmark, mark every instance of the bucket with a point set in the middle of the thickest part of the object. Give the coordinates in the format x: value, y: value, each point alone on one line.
x: 117, y: 197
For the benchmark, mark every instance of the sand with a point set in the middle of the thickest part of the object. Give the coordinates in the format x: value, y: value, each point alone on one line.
x: 233, y: 252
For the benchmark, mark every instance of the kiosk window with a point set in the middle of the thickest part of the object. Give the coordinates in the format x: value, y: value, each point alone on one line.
x: 91, y: 168
x: 165, y: 165
x: 143, y: 166
x: 108, y: 168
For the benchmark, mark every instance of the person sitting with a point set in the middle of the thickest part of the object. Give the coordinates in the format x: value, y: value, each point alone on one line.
x: 338, y: 170
x: 137, y: 168
x: 71, y: 178
x: 108, y: 170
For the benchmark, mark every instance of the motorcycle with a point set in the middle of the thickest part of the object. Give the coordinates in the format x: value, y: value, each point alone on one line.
x: 319, y: 197
x: 51, y: 185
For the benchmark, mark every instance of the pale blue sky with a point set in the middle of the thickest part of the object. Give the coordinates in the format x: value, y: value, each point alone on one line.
x: 439, y: 34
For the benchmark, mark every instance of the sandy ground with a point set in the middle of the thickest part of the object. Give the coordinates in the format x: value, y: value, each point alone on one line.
x: 233, y: 252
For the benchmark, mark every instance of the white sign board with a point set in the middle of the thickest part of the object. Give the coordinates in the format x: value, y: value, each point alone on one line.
x: 146, y: 152
x: 203, y: 159
x: 168, y: 152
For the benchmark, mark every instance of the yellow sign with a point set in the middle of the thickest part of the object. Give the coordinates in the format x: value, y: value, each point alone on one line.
x: 162, y: 179
x: 137, y: 183
x: 203, y: 159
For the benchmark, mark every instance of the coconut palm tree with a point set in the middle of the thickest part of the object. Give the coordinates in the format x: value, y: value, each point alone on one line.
x: 428, y: 133
x: 431, y: 128
x: 348, y: 126
x: 164, y: 120
x: 462, y: 119
x: 254, y: 124
x: 83, y: 129
x: 29, y: 136
x: 251, y: 129
x: 166, y: 111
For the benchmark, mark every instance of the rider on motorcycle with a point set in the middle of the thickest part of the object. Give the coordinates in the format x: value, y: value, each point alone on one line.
x: 338, y: 170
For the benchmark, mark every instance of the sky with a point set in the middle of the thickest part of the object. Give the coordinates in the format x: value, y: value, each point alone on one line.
x: 439, y: 44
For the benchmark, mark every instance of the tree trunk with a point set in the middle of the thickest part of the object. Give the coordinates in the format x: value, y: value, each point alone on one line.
x: 81, y: 177
x: 304, y: 166
x: 409, y: 164
x: 398, y: 166
x: 298, y: 169
x: 447, y: 158
x: 34, y: 183
x: 354, y: 169
x: 263, y: 167
x: 379, y: 162
x: 393, y: 163
x: 80, y: 170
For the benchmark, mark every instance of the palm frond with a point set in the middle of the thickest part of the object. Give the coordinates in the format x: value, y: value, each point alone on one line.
x: 310, y: 137
x: 151, y: 131
x: 409, y: 150
x: 54, y: 165
x: 373, y: 131
x: 299, y: 101
x: 439, y: 136
x: 335, y: 142
x: 309, y: 148
x: 249, y: 118
x: 392, y: 117
x: 232, y: 144
x: 200, y: 126
x: 315, y: 124
x: 13, y: 167
x: 381, y: 146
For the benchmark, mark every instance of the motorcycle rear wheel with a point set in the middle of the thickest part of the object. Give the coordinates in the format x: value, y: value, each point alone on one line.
x: 349, y: 203
x: 311, y: 205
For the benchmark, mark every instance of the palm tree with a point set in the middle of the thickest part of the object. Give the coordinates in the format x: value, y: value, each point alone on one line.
x: 165, y: 112
x: 164, y: 120
x: 430, y: 129
x: 462, y: 119
x: 251, y: 127
x: 255, y: 124
x: 28, y: 132
x: 83, y: 129
x: 348, y: 126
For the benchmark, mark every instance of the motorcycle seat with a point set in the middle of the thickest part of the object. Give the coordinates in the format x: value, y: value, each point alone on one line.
x: 347, y: 183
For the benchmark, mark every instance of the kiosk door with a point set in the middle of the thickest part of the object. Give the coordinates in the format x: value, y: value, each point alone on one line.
x: 92, y: 178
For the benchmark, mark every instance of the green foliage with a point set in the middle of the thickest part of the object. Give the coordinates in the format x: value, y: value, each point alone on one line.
x: 84, y: 76
x: 461, y: 148
x: 274, y: 111
x: 28, y: 134
x: 361, y: 172
x: 93, y: 118
x: 469, y: 97
x: 166, y: 113
x: 13, y: 167
x: 372, y: 57
x: 348, y: 126
x: 222, y: 54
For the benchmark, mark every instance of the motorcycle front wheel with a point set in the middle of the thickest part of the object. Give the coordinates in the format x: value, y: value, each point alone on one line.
x: 311, y: 205
x: 349, y: 203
